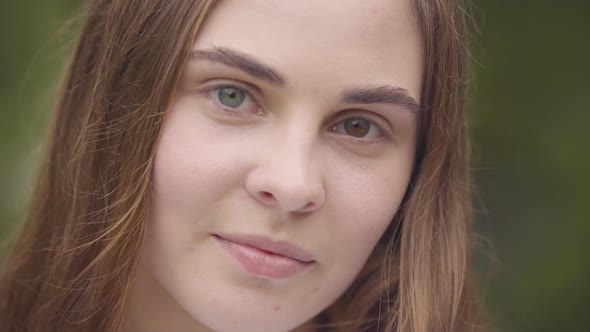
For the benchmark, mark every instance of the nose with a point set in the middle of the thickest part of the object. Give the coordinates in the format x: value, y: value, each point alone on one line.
x: 287, y: 176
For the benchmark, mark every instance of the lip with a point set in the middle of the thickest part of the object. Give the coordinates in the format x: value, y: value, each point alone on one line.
x: 265, y: 257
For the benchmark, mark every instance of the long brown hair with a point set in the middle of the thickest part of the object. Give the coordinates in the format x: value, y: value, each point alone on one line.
x: 76, y: 257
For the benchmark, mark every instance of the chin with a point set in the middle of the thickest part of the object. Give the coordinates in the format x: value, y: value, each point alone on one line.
x: 229, y: 322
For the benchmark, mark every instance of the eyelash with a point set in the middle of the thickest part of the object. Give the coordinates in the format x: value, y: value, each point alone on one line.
x: 386, y: 132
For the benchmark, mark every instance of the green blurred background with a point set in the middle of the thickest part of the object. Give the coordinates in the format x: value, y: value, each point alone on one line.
x: 530, y: 109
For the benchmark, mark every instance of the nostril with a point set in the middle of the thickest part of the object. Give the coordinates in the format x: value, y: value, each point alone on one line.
x: 308, y: 206
x: 265, y: 195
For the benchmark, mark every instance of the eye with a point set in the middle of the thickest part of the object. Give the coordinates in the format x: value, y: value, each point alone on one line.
x: 234, y: 99
x: 358, y: 128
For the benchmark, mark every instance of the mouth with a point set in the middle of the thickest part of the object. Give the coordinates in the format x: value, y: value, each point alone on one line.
x: 264, y: 257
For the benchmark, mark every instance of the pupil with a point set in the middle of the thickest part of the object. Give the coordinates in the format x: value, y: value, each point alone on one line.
x: 357, y: 127
x: 231, y: 97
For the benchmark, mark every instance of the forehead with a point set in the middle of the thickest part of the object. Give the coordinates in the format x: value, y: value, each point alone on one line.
x: 327, y: 42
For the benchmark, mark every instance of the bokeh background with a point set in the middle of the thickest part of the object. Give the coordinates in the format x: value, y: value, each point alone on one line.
x: 530, y: 109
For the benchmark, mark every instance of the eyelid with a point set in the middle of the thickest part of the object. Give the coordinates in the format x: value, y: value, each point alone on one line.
x: 251, y: 89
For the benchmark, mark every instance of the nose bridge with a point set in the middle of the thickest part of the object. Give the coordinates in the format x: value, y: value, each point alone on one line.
x: 294, y: 157
x: 289, y: 175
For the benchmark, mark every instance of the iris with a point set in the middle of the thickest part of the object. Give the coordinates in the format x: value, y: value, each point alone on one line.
x: 357, y: 127
x: 231, y: 97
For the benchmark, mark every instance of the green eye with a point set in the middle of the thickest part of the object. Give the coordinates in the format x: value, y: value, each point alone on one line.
x: 231, y: 97
x: 357, y: 127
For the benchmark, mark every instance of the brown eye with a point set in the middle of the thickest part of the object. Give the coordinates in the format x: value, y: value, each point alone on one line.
x: 357, y: 127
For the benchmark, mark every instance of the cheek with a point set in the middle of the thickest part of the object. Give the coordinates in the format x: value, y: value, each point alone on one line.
x: 186, y: 170
x: 195, y: 163
x: 193, y: 171
x: 366, y: 201
x: 362, y: 204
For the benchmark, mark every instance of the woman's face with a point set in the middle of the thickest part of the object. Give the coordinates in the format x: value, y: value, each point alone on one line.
x: 281, y: 162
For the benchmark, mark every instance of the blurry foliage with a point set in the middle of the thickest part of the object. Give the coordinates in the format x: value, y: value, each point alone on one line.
x: 529, y: 109
x: 35, y: 37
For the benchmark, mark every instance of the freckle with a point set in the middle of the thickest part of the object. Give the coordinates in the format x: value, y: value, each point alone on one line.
x: 315, y: 289
x: 275, y: 307
x: 235, y: 322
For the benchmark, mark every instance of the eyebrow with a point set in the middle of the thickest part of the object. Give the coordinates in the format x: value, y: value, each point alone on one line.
x: 241, y: 61
x: 385, y: 94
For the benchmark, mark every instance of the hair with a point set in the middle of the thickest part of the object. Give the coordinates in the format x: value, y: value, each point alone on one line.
x: 75, y: 259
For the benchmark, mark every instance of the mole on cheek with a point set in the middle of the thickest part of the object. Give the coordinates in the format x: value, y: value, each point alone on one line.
x: 275, y: 308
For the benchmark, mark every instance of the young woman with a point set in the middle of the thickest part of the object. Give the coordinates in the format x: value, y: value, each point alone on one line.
x: 253, y: 166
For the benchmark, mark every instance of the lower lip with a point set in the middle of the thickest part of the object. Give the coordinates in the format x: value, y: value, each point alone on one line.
x: 262, y: 263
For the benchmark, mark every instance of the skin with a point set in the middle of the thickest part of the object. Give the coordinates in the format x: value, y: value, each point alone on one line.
x: 282, y: 164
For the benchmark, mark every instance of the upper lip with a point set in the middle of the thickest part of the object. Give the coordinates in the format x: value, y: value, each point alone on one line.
x: 283, y: 248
